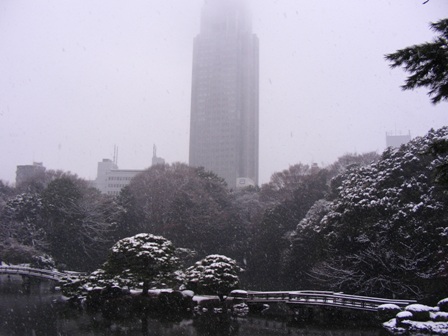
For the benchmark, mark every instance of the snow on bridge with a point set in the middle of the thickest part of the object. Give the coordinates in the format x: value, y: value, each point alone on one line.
x: 304, y: 297
x: 38, y: 273
x: 320, y: 298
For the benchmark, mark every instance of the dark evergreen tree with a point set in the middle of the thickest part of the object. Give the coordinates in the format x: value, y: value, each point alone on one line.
x: 440, y: 149
x: 77, y: 229
x: 128, y: 215
x: 148, y: 258
x: 290, y: 194
x: 190, y: 206
x: 427, y: 63
x: 215, y: 274
x: 306, y: 247
x: 22, y: 221
x: 385, y: 233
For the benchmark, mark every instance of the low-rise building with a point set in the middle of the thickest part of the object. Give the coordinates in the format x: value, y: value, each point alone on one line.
x: 396, y: 139
x: 27, y: 172
x: 110, y: 179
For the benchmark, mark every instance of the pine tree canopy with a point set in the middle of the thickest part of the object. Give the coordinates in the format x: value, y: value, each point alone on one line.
x: 427, y: 63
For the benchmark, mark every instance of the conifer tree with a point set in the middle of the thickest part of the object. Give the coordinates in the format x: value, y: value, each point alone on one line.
x: 427, y: 64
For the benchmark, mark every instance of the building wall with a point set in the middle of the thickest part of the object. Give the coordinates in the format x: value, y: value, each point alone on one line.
x: 27, y: 172
x: 104, y: 167
x: 110, y: 180
x: 224, y: 104
x: 396, y: 140
x: 118, y: 179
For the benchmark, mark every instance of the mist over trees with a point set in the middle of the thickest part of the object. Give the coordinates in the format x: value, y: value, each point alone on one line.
x: 367, y: 224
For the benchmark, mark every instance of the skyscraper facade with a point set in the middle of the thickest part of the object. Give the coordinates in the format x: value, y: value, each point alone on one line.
x: 224, y: 103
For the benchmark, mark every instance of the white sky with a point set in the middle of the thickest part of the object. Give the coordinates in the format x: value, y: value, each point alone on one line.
x: 80, y: 76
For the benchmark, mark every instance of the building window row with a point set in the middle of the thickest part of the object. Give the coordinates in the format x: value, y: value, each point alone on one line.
x: 120, y: 178
x: 117, y: 185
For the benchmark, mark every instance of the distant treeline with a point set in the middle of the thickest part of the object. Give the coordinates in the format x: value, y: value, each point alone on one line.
x: 367, y: 224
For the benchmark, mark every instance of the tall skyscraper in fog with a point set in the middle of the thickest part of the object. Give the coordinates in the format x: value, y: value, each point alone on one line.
x: 224, y: 100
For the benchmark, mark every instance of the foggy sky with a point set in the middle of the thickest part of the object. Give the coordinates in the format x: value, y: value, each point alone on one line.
x: 78, y: 77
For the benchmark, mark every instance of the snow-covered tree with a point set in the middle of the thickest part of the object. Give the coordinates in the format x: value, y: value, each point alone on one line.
x: 43, y: 261
x: 21, y: 224
x: 150, y: 259
x: 62, y: 216
x: 386, y: 230
x: 215, y: 274
x: 440, y: 148
x: 427, y: 63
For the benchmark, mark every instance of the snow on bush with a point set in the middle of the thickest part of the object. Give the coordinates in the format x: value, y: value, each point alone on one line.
x: 188, y: 293
x: 147, y: 257
x: 420, y: 312
x: 405, y: 315
x: 389, y: 306
x: 240, y: 309
x: 215, y: 274
x: 416, y: 307
x: 443, y: 305
x: 238, y: 293
x: 43, y: 261
x: 419, y: 319
x: 388, y: 311
x: 439, y: 317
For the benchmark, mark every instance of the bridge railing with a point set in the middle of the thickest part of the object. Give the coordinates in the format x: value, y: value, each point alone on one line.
x: 35, y: 272
x: 325, y: 298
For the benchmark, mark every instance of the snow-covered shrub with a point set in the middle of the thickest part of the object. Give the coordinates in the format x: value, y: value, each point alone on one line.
x: 403, y: 316
x: 43, y: 261
x: 13, y: 252
x: 439, y: 317
x: 240, y: 309
x: 215, y: 274
x: 238, y: 293
x: 388, y: 311
x: 419, y: 312
x: 443, y: 305
x: 150, y: 259
x: 100, y: 278
x: 187, y: 293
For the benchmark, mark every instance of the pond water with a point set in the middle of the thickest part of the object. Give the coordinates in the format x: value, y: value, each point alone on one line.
x: 42, y: 313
